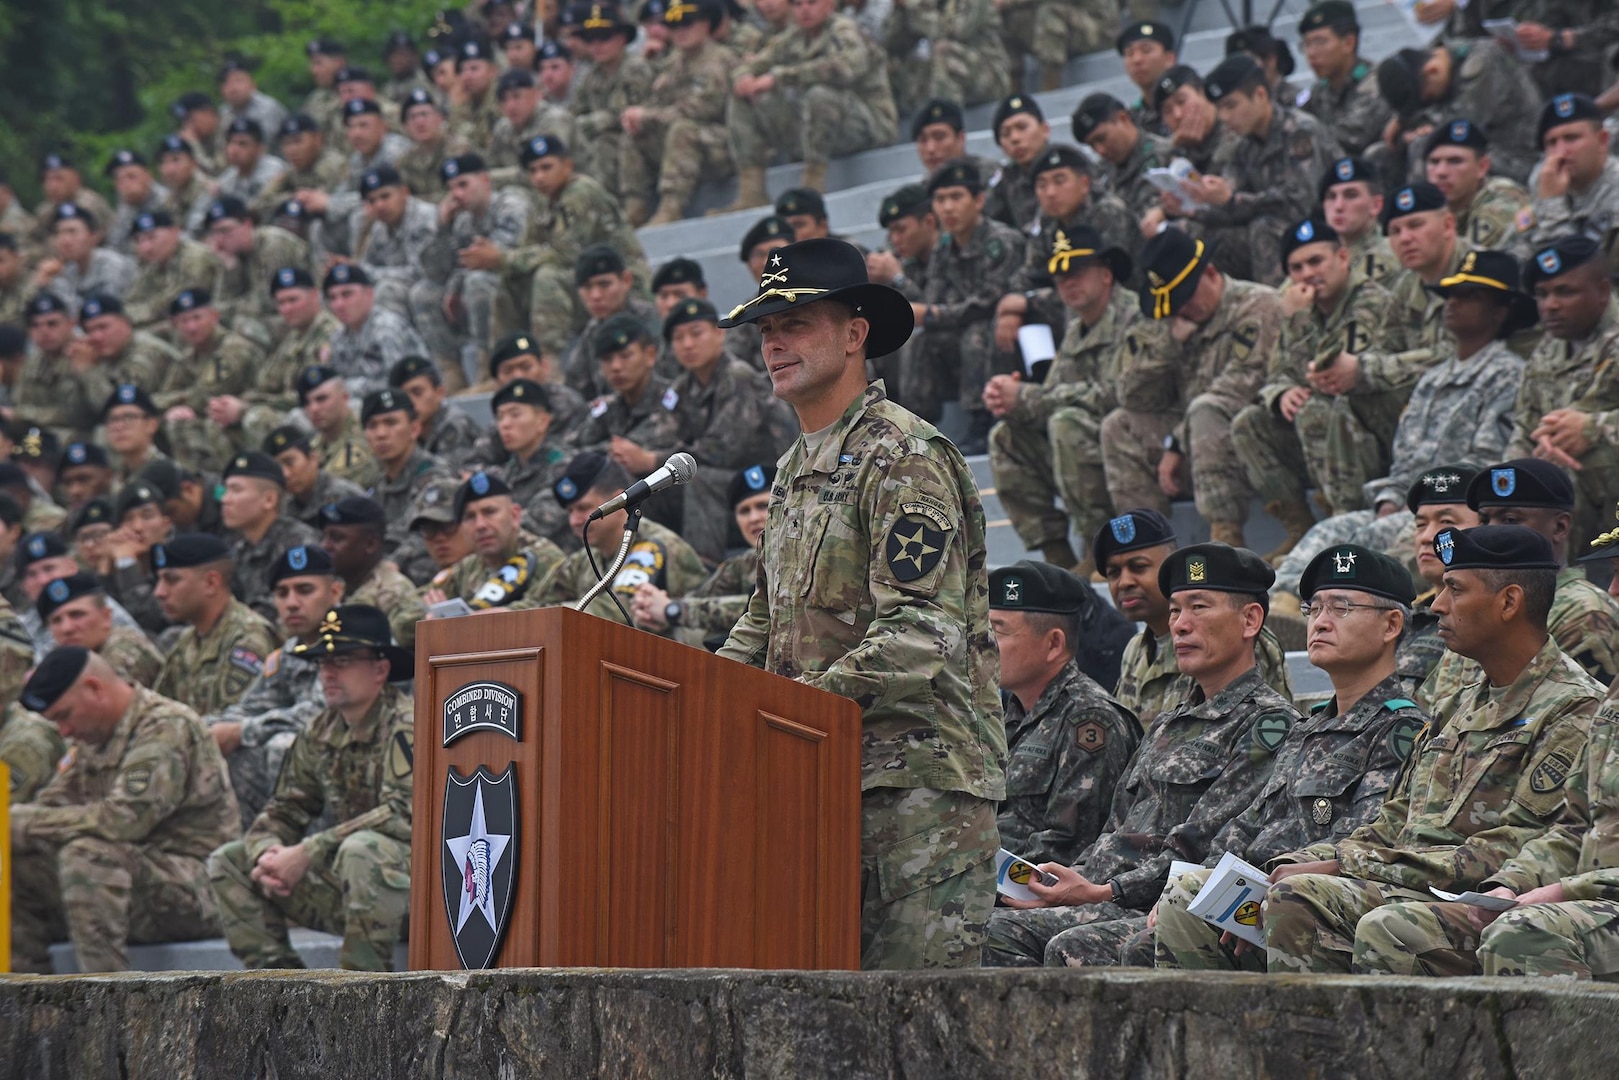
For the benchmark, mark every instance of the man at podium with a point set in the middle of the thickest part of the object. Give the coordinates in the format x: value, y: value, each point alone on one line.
x: 872, y: 585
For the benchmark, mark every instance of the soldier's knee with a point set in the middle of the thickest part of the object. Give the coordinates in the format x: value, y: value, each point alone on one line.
x: 372, y: 857
x: 1115, y: 427
x: 91, y: 851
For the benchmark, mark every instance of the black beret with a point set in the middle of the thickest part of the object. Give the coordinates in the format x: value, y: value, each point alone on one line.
x: 97, y: 511
x: 961, y: 173
x: 125, y: 157
x: 767, y: 228
x: 135, y: 494
x: 36, y: 546
x: 45, y: 304
x: 386, y: 400
x: 460, y: 165
x: 475, y: 49
x: 1231, y: 74
x: 149, y: 220
x: 754, y: 480
x: 175, y: 144
x: 1494, y: 547
x: 679, y: 271
x: 353, y: 73
x: 1172, y: 261
x: 1346, y: 171
x: 1146, y: 31
x: 246, y: 125
x: 416, y: 97
x: 1312, y: 230
x: 312, y: 378
x: 1010, y: 107
x: 379, y: 177
x: 798, y: 201
x: 227, y: 206
x: 552, y: 49
x: 54, y: 676
x: 524, y: 392
x: 1558, y: 258
x: 617, y: 332
x: 1036, y: 586
x: 299, y: 124
x: 1172, y: 80
x: 257, y: 464
x: 1566, y: 109
x: 12, y: 474
x: 594, y: 260
x: 1060, y: 157
x: 578, y: 477
x: 1217, y: 567
x: 515, y: 31
x: 432, y: 58
x: 1095, y: 110
x: 185, y: 550
x: 1458, y: 132
x: 1348, y: 566
x: 98, y: 304
x: 541, y: 146
x: 688, y: 310
x: 397, y: 39
x: 292, y: 209
x: 10, y: 511
x: 912, y: 199
x: 411, y: 367
x: 1258, y: 41
x: 511, y: 347
x: 514, y: 79
x: 353, y: 510
x: 324, y: 47
x: 190, y: 300
x: 1335, y: 15
x: 1525, y: 482
x: 63, y: 590
x: 59, y: 161
x: 1131, y: 531
x: 70, y: 211
x: 1440, y: 485
x: 1415, y: 198
x: 81, y: 453
x: 291, y: 277
x: 189, y: 102
x: 480, y: 485
x: 939, y: 111
x: 164, y: 475
x: 345, y: 274
x: 287, y: 437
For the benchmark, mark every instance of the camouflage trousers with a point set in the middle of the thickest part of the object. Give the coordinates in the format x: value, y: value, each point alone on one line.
x: 704, y: 518
x: 1252, y: 250
x: 1030, y: 937
x: 445, y: 339
x: 670, y: 160
x: 1328, y: 445
x: 1051, y: 32
x: 1132, y: 445
x: 599, y: 157
x: 254, y: 771
x: 1578, y: 939
x: 1182, y: 940
x: 103, y: 896
x: 363, y: 894
x: 1033, y: 467
x: 1310, y: 920
x: 198, y: 444
x: 961, y: 361
x: 927, y: 877
x: 546, y: 304
x: 1114, y: 943
x: 394, y: 294
x: 1417, y: 939
x: 950, y: 71
x: 1395, y: 535
x: 813, y: 125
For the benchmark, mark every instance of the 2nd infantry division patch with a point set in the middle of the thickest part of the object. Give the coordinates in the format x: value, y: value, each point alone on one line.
x: 915, y: 546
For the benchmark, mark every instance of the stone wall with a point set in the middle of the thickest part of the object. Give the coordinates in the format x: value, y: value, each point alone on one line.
x: 980, y: 1025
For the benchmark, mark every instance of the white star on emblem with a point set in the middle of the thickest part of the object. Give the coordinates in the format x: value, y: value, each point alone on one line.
x: 475, y: 898
x: 1343, y: 561
x: 775, y: 260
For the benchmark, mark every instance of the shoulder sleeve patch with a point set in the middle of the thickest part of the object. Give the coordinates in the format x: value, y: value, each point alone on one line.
x: 1090, y: 736
x: 915, y: 545
x: 1551, y: 772
x: 247, y: 659
x: 401, y: 754
x: 272, y: 663
x: 644, y: 566
x: 1404, y: 735
x: 1270, y: 730
x: 137, y: 780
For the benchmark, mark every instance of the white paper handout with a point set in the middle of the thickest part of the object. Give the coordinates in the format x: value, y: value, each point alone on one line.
x: 1230, y: 899
x: 452, y: 608
x: 1475, y: 899
x: 1013, y: 874
x: 1505, y: 31
x: 1182, y: 180
x: 1036, y: 343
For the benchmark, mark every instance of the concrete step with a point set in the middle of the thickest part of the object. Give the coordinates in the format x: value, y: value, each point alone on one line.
x: 318, y: 950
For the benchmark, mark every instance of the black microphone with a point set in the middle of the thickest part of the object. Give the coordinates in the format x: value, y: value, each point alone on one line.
x: 677, y: 470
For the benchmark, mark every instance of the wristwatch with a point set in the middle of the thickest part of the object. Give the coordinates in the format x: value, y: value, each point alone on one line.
x: 1118, y: 893
x: 673, y: 611
x: 1170, y: 445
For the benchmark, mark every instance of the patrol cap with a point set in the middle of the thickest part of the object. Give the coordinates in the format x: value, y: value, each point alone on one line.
x: 1458, y: 132
x: 345, y: 274
x: 1172, y: 80
x: 1346, y: 170
x: 37, y: 546
x: 1173, y: 262
x: 754, y: 480
x: 435, y: 503
x: 54, y: 676
x: 186, y: 550
x: 460, y: 165
x: 524, y: 392
x: 960, y: 173
x: 1010, y: 107
x: 388, y: 400
x: 1566, y: 109
x: 1522, y: 482
x: 353, y: 510
x: 1258, y: 41
x: 1060, y: 157
x: 416, y: 97
x: 479, y: 486
x: 287, y: 437
x: 1132, y: 530
x: 542, y: 146
x: 98, y: 511
x: 298, y: 124
x: 579, y: 477
x: 1146, y: 30
x: 132, y: 495
x: 510, y: 347
x: 72, y: 211
x: 246, y: 125
x: 909, y: 201
x: 1440, y: 486
x: 691, y: 309
x: 63, y: 590
x: 766, y: 228
x: 617, y: 332
x: 130, y: 394
x: 312, y: 378
x: 411, y: 367
x: 379, y: 177
x: 514, y: 79
x: 1235, y: 73
x: 1494, y: 547
x: 150, y: 220
x: 1415, y: 198
x: 45, y: 304
x: 553, y: 49
x: 1335, y: 15
x: 474, y: 49
x: 1036, y: 586
x: 98, y: 304
x: 227, y: 206
x: 1093, y: 112
x: 354, y: 628
x: 81, y: 453
x: 1493, y: 271
x: 353, y: 73
x: 190, y: 300
x: 1399, y: 80
x: 291, y: 277
x: 939, y: 111
x: 1558, y: 258
x: 679, y: 271
x: 122, y: 158
x: 257, y: 464
x: 1605, y: 546
x: 1080, y: 244
x: 1349, y: 566
x: 1217, y: 567
x: 594, y: 260
x: 175, y: 144
x: 1312, y: 230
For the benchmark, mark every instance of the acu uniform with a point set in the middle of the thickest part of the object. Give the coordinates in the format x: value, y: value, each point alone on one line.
x: 658, y: 557
x: 599, y: 97
x: 30, y: 747
x: 682, y: 140
x: 277, y: 705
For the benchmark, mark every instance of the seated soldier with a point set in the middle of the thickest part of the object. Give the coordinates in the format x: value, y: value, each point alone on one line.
x: 138, y: 191
x: 1068, y: 742
x: 1351, y: 195
x: 41, y: 558
x: 251, y: 509
x: 252, y: 256
x: 354, y: 534
x: 189, y: 498
x: 434, y: 524
x: 633, y: 419
x: 76, y: 611
x: 26, y: 485
x: 30, y: 747
x: 1344, y: 95
x: 339, y: 443
x: 605, y: 287
x: 89, y: 530
x: 145, y: 760
x: 130, y: 421
x: 804, y: 209
x: 310, y: 488
x: 354, y: 767
x: 140, y: 521
x: 1102, y: 123
x: 507, y: 561
x: 84, y: 473
x: 1488, y: 209
x: 1576, y: 182
x: 1148, y: 51
x: 214, y: 362
x: 372, y: 338
x: 939, y: 132
x: 519, y: 356
x: 392, y: 432
x: 956, y: 50
x: 390, y: 234
x: 1024, y: 136
x: 1231, y: 723
x: 1437, y: 501
x: 78, y: 265
x: 535, y: 455
x: 447, y: 433
x: 658, y: 557
x: 113, y: 351
x: 1193, y: 125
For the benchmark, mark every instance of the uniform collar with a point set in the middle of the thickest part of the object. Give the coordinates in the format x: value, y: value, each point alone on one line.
x: 826, y: 458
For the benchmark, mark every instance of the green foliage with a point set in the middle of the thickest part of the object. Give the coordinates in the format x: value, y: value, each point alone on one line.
x: 88, y: 77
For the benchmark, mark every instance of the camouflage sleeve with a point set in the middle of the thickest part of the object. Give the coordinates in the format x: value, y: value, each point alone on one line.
x: 1555, y: 853
x: 1497, y: 389
x: 750, y: 636
x: 1150, y: 377
x: 975, y: 298
x: 730, y: 440
x: 16, y: 654
x: 840, y: 65
x: 1589, y: 634
x: 30, y: 748
x: 1363, y: 118
x: 1291, y: 359
x: 391, y: 815
x: 657, y: 431
x: 1286, y: 197
x: 98, y: 384
x: 132, y: 587
x: 296, y: 801
x: 509, y: 216
x: 1093, y: 753
x: 702, y: 97
x: 438, y: 257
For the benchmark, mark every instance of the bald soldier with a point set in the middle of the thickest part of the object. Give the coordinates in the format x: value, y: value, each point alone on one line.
x: 893, y: 611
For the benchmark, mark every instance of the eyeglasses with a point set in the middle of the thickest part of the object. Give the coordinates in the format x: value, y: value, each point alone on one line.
x: 1338, y: 608
x: 344, y: 661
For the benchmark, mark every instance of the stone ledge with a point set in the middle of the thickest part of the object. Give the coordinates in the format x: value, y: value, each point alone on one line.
x: 597, y: 1023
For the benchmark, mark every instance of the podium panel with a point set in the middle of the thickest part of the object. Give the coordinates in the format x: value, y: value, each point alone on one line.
x: 672, y: 809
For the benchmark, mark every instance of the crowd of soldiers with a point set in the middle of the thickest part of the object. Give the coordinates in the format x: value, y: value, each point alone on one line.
x: 235, y: 479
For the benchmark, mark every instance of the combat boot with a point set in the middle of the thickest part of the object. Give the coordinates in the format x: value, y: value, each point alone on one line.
x: 814, y: 176
x: 669, y: 211
x: 1227, y: 532
x: 1296, y: 520
x: 750, y: 192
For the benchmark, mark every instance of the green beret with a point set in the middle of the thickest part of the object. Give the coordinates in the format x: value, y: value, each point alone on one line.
x: 1036, y: 586
x: 1217, y: 567
x: 1347, y: 566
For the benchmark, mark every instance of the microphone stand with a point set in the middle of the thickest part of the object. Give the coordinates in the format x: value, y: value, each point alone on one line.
x: 631, y: 524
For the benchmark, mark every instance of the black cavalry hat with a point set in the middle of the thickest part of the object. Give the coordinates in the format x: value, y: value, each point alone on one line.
x: 825, y: 269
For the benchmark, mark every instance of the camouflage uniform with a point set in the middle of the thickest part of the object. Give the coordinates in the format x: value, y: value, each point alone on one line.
x: 1052, y: 32
x: 144, y: 362
x: 1218, y: 370
x: 1592, y: 212
x: 252, y: 561
x: 451, y: 434
x: 244, y: 300
x: 1064, y: 758
x: 647, y: 422
x: 396, y: 497
x: 1420, y: 647
x: 188, y: 206
x: 1355, y: 114
x: 1011, y: 198
x: 473, y: 120
x: 358, y: 882
x: 327, y: 490
x: 393, y: 256
x: 273, y: 393
x: 581, y: 368
x: 951, y: 50
x: 157, y: 284
x: 658, y: 557
x: 329, y: 172
x: 1331, y: 778
x: 276, y: 706
x: 1273, y: 181
x: 112, y: 851
x: 1373, y: 257
x: 599, y: 97
x: 132, y: 654
x: 1490, y: 88
x: 506, y: 142
x: 346, y: 454
x: 419, y: 166
x: 1105, y: 213
x: 1128, y: 181
x: 682, y: 140
x: 1200, y: 765
x: 261, y: 107
x: 47, y: 393
x: 831, y: 97
x: 531, y: 482
x: 224, y: 364
x: 393, y: 594
x: 364, y: 357
x: 1492, y: 219
x: 965, y: 282
x: 713, y: 607
x: 1150, y: 683
x: 30, y: 747
x: 209, y: 672
x: 107, y: 272
x: 505, y: 222
x: 1511, y: 748
x: 470, y: 575
x: 918, y: 656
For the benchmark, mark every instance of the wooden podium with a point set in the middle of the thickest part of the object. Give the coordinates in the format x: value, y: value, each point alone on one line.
x: 592, y: 795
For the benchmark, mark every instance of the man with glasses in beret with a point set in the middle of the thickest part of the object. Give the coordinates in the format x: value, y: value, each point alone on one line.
x: 140, y: 759
x: 353, y: 766
x: 1502, y: 749
x: 168, y: 261
x: 1344, y: 96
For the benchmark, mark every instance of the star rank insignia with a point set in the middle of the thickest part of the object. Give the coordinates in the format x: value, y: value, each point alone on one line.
x: 915, y: 546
